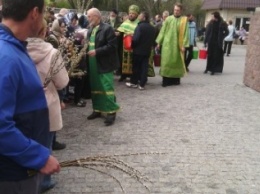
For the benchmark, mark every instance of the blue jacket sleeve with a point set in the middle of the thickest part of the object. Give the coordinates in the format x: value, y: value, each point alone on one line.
x: 13, y: 143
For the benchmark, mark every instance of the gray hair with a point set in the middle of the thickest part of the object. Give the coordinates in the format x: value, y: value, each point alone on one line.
x: 166, y: 13
x: 95, y: 12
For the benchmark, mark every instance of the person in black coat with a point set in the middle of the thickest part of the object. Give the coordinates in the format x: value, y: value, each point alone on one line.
x: 216, y: 31
x: 142, y: 43
x: 115, y: 21
x: 102, y: 61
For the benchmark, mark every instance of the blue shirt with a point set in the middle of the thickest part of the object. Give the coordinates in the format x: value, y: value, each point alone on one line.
x: 192, y: 33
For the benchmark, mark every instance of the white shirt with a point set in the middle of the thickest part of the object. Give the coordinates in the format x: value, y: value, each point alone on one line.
x: 231, y: 30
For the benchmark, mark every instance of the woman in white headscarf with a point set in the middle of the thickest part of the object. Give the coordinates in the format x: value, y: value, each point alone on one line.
x: 46, y: 57
x: 57, y: 33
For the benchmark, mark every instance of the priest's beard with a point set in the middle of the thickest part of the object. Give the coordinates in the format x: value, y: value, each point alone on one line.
x: 132, y: 19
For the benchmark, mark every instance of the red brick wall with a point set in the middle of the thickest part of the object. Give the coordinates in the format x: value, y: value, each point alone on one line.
x: 252, y: 66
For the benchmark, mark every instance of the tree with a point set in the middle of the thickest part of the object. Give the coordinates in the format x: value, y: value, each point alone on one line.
x: 153, y: 7
x: 80, y: 5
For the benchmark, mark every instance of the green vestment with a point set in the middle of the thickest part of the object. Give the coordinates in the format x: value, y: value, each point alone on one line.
x: 102, y: 86
x: 173, y: 36
x: 128, y: 28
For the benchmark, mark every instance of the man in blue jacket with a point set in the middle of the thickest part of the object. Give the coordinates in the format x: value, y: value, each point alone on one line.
x: 192, y: 35
x: 24, y: 124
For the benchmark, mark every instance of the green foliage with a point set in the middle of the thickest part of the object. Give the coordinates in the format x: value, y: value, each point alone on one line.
x: 47, y: 2
x: 62, y: 4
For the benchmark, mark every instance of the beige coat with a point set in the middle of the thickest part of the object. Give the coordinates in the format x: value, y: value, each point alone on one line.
x: 42, y: 53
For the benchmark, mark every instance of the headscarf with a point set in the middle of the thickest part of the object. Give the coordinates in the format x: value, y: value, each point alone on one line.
x: 55, y: 28
x: 69, y: 17
x: 134, y: 8
x: 63, y: 12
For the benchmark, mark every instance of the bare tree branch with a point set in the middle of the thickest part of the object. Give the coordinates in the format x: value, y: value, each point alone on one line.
x: 80, y: 5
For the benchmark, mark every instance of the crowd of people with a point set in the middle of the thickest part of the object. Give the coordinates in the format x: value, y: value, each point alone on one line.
x: 44, y: 55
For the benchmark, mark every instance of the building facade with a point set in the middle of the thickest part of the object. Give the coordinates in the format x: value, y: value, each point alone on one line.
x: 239, y: 11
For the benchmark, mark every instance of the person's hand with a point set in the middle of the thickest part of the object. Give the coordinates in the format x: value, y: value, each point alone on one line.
x: 52, y: 165
x: 157, y: 47
x: 63, y: 40
x: 92, y: 53
x: 117, y: 33
x: 182, y: 49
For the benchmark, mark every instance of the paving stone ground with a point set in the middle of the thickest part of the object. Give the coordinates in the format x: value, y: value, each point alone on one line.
x: 209, y: 126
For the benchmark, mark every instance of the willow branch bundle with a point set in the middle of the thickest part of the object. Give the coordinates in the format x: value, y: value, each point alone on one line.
x: 75, y: 60
x: 110, y: 162
x: 54, y: 67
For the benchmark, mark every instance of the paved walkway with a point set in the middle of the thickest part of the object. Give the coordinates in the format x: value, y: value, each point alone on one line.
x: 209, y: 126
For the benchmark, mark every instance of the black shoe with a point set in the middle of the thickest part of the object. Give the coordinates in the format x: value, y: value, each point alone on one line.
x: 121, y: 79
x: 58, y: 146
x: 212, y: 73
x: 49, y: 187
x: 164, y: 85
x: 94, y: 115
x: 171, y: 84
x: 118, y: 72
x: 206, y: 71
x: 176, y: 83
x: 227, y: 55
x: 110, y: 119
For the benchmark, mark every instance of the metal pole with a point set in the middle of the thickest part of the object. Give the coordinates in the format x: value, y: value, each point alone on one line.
x: 116, y: 4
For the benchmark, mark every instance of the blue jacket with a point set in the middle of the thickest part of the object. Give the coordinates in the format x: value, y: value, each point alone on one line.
x: 192, y: 33
x: 24, y: 123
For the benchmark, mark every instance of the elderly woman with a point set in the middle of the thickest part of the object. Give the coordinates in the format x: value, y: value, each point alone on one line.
x: 57, y: 32
x: 56, y: 37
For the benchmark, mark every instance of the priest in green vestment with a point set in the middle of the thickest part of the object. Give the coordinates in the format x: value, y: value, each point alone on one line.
x: 102, y: 61
x: 128, y: 28
x: 172, y: 40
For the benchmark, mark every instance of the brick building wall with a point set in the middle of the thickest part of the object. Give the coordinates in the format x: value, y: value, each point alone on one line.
x: 252, y: 66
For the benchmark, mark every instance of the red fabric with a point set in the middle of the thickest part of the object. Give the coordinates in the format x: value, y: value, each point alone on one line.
x: 128, y: 42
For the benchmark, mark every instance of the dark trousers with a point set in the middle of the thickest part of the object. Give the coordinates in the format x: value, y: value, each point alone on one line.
x: 62, y: 94
x: 140, y: 69
x: 54, y: 137
x: 227, y: 47
x: 188, y: 55
x: 78, y: 89
x: 241, y: 41
x: 47, y: 178
x: 26, y: 186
